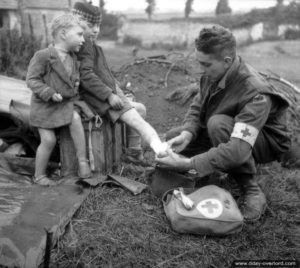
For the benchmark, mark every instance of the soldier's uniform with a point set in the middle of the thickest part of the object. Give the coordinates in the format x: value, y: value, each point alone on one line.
x: 236, y: 122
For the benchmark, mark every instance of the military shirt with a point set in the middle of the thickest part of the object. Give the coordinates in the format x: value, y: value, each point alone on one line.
x: 245, y: 96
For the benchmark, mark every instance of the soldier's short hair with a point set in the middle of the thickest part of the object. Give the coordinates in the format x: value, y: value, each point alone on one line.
x: 65, y: 21
x: 217, y: 41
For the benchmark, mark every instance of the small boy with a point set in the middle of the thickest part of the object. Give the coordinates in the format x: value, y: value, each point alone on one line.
x: 100, y: 89
x: 53, y: 76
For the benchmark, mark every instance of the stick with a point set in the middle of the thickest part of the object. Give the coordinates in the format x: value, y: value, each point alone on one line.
x: 167, y: 74
x: 282, y: 80
x: 151, y: 60
x: 48, y: 248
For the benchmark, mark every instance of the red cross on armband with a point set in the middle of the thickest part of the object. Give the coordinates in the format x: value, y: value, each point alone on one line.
x: 245, y: 132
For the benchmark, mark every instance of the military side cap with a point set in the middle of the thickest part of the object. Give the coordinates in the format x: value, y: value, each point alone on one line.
x: 88, y: 12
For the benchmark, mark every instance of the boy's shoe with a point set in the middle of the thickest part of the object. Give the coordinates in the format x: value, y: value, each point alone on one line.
x: 44, y: 181
x: 84, y: 170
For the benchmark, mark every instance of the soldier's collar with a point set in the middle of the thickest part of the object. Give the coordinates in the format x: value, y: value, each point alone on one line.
x: 233, y: 67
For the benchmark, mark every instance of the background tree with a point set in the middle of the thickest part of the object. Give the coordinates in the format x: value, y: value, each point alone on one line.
x: 279, y: 2
x: 101, y: 5
x: 150, y: 8
x: 188, y: 8
x: 223, y: 7
x: 21, y: 7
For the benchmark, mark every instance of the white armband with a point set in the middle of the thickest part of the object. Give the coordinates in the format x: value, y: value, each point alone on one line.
x: 245, y: 132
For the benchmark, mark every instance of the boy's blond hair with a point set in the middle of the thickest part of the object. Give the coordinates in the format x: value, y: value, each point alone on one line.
x: 65, y: 21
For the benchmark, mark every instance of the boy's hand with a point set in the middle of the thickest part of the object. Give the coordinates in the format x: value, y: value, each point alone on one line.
x: 56, y: 97
x: 115, y: 102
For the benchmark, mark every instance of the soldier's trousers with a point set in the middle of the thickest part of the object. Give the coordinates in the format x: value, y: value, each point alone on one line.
x: 219, y: 129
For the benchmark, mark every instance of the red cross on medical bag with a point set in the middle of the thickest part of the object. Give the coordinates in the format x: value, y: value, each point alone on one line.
x: 209, y: 210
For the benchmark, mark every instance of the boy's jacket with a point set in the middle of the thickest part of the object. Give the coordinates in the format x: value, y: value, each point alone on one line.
x: 46, y: 76
x: 96, y: 80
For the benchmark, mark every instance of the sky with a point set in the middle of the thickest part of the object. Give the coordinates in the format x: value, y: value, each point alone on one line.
x: 119, y: 6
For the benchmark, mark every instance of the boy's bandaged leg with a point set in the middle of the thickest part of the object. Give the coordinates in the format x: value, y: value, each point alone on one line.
x: 133, y: 119
x: 134, y: 140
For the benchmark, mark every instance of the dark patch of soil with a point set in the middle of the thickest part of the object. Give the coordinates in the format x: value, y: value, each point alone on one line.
x: 147, y: 84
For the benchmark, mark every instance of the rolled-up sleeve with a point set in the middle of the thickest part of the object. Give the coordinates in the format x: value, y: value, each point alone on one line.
x: 238, y: 149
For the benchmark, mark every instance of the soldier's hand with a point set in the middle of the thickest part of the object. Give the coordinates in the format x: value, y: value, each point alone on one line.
x: 179, y: 143
x: 115, y: 102
x: 56, y: 97
x: 174, y: 161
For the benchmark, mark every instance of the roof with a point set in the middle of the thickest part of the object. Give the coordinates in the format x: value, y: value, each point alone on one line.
x: 8, y: 4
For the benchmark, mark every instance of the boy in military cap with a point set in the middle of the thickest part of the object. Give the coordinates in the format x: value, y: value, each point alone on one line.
x: 101, y: 90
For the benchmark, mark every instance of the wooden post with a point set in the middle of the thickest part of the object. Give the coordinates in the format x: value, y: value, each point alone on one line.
x: 46, y: 30
x: 21, y: 8
x: 30, y: 25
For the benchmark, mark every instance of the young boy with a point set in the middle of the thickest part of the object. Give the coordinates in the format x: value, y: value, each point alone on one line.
x: 100, y: 89
x: 53, y: 76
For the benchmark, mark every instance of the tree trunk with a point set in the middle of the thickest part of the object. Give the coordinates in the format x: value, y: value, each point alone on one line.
x: 21, y: 8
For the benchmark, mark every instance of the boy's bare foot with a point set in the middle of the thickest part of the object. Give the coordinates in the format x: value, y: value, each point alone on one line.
x: 43, y: 180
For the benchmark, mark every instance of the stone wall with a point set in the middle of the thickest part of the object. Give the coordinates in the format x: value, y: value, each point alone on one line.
x: 181, y: 33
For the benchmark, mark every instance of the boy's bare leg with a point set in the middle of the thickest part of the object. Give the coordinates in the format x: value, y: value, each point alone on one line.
x: 133, y: 137
x: 133, y: 119
x: 43, y: 153
x: 77, y: 134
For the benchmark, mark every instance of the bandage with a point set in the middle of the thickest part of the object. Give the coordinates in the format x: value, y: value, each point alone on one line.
x: 160, y: 148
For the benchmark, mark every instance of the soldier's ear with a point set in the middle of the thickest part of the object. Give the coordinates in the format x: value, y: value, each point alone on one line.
x: 228, y: 60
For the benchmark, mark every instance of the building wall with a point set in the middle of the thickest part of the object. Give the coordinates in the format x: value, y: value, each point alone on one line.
x: 38, y: 15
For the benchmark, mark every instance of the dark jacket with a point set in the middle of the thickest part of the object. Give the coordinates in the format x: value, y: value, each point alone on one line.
x: 237, y: 95
x: 96, y: 80
x: 46, y: 75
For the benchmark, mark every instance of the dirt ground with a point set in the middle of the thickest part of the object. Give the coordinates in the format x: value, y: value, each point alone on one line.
x: 148, y: 79
x: 116, y: 229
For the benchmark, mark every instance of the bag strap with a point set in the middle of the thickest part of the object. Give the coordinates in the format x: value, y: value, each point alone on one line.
x: 98, y: 124
x: 91, y: 155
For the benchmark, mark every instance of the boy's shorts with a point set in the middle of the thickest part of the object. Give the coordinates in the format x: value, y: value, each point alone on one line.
x: 114, y: 115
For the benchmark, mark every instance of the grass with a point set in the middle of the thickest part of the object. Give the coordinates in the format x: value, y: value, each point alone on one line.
x: 116, y: 229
